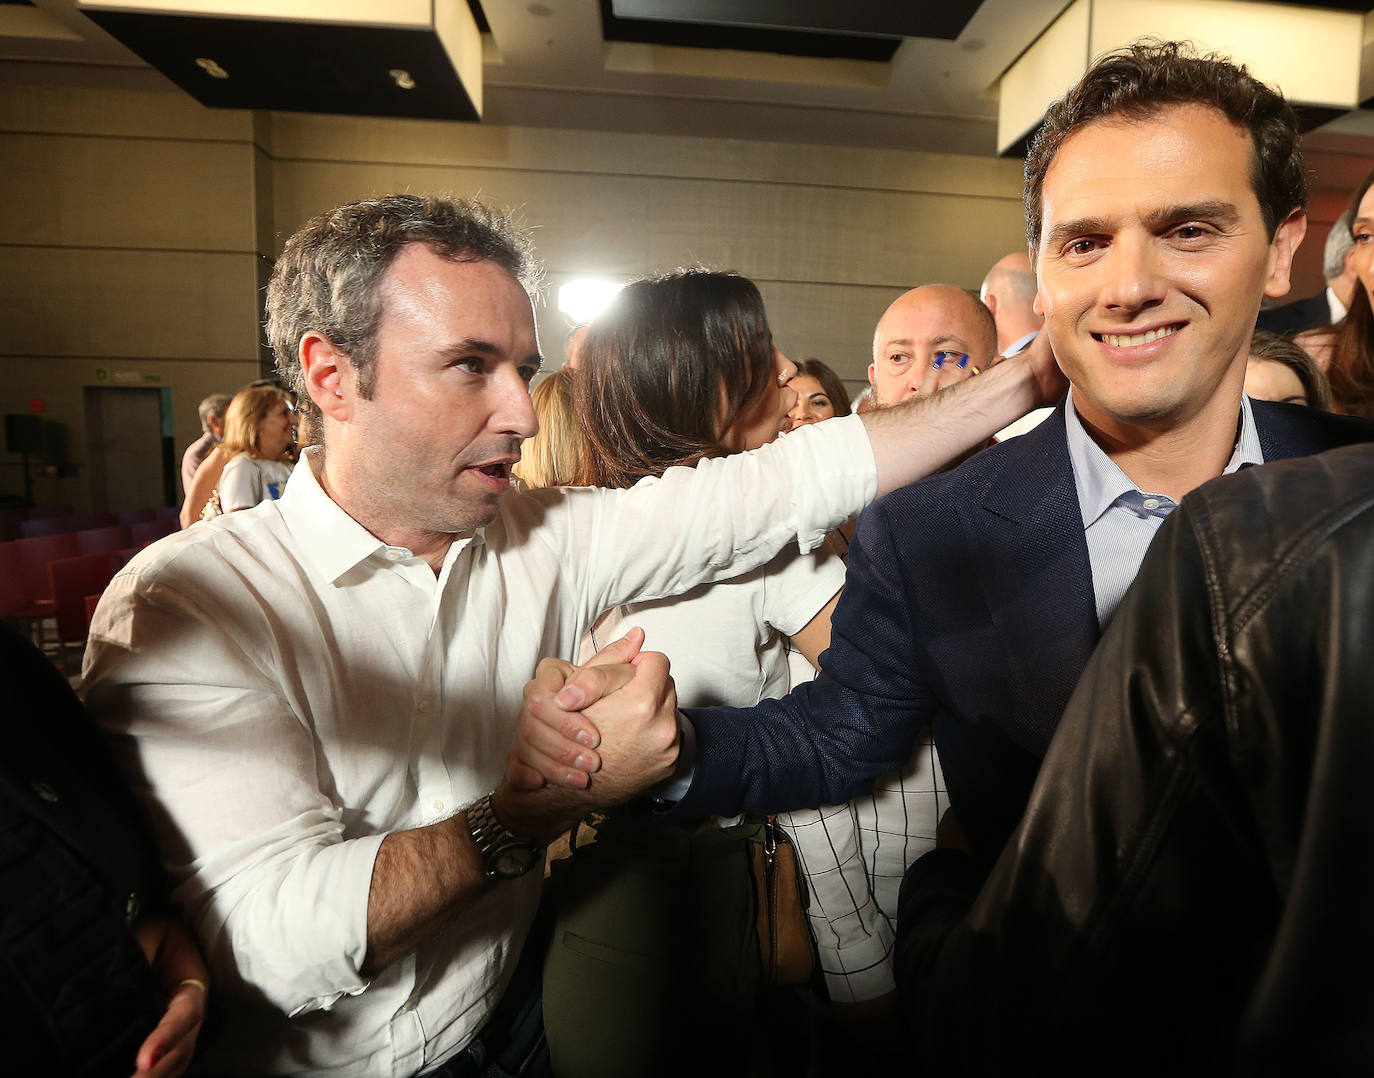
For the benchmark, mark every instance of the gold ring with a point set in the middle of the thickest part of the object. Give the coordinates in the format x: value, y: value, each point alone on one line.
x: 191, y: 980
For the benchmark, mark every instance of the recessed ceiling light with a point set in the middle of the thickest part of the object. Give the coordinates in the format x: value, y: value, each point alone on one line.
x: 539, y: 9
x: 401, y: 77
x: 211, y: 68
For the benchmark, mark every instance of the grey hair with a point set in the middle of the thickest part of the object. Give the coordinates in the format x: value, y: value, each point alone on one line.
x: 213, y: 407
x: 1339, y: 243
x: 328, y: 274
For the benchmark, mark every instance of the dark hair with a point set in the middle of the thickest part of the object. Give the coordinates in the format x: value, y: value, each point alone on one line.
x: 1142, y: 80
x: 1352, y: 354
x: 327, y: 276
x: 1276, y: 348
x: 667, y: 370
x: 830, y: 382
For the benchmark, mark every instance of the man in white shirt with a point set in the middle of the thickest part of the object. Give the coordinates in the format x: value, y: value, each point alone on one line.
x: 315, y: 697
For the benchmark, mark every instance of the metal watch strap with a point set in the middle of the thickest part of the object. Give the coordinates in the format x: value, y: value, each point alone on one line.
x: 491, y: 838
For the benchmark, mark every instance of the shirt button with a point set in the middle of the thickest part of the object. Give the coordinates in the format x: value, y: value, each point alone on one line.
x: 422, y: 705
x: 43, y: 790
x: 1151, y: 503
x: 392, y: 554
x: 438, y: 806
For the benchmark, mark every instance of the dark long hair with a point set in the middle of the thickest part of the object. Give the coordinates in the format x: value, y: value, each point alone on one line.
x: 667, y: 370
x: 830, y: 382
x: 1352, y: 357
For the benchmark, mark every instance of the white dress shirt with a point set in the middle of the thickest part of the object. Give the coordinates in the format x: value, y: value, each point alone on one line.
x: 283, y: 690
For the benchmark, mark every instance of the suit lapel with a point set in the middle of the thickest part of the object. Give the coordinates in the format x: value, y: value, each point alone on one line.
x: 1038, y: 583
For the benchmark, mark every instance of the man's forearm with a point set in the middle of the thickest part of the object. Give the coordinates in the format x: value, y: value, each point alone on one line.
x: 913, y: 439
x: 423, y: 878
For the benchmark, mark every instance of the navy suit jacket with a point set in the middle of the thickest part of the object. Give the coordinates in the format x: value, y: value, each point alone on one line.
x: 968, y: 607
x: 1294, y: 317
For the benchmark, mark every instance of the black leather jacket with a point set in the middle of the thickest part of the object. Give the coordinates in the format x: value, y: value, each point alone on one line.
x: 1192, y: 887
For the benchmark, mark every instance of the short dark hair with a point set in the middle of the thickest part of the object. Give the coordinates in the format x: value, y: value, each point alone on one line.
x: 1267, y: 347
x: 327, y: 276
x: 1142, y: 80
x: 830, y: 382
x: 667, y: 370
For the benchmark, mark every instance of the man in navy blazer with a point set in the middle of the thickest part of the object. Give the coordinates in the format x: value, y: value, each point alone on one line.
x: 1165, y: 195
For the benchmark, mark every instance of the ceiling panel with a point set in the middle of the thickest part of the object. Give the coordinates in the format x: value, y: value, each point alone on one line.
x: 875, y: 17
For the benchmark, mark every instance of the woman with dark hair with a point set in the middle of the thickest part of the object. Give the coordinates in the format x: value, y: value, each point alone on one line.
x: 1279, y: 370
x: 655, y: 943
x: 1346, y: 350
x: 820, y: 394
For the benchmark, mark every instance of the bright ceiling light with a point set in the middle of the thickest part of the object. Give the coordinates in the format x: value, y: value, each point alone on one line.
x: 585, y: 298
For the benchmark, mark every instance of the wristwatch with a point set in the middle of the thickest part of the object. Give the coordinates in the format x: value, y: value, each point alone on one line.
x: 504, y: 856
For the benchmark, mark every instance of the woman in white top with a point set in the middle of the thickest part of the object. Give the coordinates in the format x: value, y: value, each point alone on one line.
x: 259, y: 429
x: 654, y: 963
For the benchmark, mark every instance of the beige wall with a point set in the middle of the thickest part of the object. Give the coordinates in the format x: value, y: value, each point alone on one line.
x: 127, y: 257
x: 133, y: 228
x: 136, y: 230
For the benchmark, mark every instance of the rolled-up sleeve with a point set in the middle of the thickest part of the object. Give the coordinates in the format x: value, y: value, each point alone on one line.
x: 238, y: 792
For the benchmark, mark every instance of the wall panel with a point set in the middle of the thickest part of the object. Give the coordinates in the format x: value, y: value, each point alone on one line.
x: 112, y: 303
x: 116, y: 192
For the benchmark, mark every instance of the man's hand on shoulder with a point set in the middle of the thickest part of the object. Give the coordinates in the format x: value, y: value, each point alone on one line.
x: 1038, y: 358
x: 608, y: 730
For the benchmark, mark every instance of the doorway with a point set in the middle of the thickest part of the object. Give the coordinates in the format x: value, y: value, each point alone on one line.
x: 128, y: 448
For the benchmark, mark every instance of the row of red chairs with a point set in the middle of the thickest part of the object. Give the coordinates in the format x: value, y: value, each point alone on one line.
x: 51, y: 576
x: 31, y: 523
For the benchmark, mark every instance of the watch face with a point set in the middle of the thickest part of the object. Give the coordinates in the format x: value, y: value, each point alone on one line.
x: 513, y: 862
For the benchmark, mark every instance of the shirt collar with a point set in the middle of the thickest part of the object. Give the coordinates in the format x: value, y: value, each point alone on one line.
x: 332, y: 541
x: 1334, y: 305
x: 1100, y: 482
x: 1021, y: 344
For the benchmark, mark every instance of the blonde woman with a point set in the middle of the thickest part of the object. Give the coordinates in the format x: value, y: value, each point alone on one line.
x: 556, y: 456
x: 259, y: 429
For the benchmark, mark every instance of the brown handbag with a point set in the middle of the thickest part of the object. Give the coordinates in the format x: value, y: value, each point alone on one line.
x: 785, y: 952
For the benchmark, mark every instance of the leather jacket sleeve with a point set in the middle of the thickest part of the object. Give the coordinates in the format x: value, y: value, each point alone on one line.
x: 1186, y: 886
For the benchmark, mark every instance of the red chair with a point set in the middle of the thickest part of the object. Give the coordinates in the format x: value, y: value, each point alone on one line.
x: 34, y: 555
x: 103, y: 540
x: 136, y: 516
x: 122, y: 558
x: 92, y: 601
x: 152, y: 531
x: 85, y: 521
x: 72, y: 579
x: 32, y: 529
x: 17, y: 602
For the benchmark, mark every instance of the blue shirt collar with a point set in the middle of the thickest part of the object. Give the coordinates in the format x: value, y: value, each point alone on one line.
x: 1100, y: 483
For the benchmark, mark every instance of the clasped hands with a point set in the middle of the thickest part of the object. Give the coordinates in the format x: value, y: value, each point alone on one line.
x: 590, y: 737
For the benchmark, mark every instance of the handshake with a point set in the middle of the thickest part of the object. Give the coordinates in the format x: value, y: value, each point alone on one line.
x: 590, y: 737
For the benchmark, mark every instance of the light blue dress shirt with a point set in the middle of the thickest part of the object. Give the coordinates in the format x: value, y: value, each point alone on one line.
x: 1118, y: 519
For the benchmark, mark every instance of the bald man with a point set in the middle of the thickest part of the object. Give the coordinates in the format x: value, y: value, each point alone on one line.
x: 923, y: 337
x: 1009, y: 293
